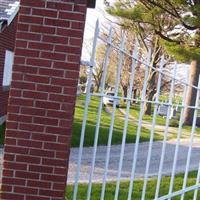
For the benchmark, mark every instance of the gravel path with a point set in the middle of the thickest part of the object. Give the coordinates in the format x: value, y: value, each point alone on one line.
x: 127, y: 162
x: 128, y: 157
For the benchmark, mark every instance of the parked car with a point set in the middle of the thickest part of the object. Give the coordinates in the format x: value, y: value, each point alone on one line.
x: 109, y: 99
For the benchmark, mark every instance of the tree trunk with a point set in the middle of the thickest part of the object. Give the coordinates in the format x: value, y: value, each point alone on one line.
x: 125, y: 91
x: 192, y: 92
x: 151, y: 91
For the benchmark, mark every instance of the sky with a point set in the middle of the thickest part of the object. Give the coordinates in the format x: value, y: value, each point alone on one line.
x: 99, y: 13
x: 92, y: 16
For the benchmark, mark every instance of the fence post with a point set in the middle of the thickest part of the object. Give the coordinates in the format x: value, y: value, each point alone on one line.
x: 42, y: 99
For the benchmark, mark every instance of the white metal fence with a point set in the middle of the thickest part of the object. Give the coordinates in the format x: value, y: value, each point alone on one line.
x: 188, y: 147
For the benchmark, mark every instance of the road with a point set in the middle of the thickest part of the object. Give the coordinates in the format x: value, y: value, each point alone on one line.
x: 128, y: 158
x: 127, y: 161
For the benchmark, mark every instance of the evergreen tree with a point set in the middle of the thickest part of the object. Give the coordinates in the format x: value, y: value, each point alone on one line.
x: 177, y: 23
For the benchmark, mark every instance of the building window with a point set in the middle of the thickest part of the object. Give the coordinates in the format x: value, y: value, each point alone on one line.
x: 7, y: 75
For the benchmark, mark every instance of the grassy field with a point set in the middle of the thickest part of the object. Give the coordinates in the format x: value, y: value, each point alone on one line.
x: 174, y: 122
x: 104, y: 127
x: 2, y: 129
x: 138, y: 185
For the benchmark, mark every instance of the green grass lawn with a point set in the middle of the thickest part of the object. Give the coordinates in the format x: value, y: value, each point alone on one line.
x: 104, y: 127
x: 2, y: 130
x: 174, y: 122
x: 138, y: 185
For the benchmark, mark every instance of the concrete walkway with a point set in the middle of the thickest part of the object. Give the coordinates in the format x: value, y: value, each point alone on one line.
x: 128, y: 157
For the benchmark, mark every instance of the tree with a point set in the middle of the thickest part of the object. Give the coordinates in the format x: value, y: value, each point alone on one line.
x: 177, y: 24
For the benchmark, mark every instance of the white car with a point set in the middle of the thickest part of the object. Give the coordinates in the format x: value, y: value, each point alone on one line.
x: 110, y: 100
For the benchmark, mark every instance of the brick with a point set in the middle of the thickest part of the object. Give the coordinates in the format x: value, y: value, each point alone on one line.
x: 39, y: 46
x: 21, y: 102
x: 70, y: 90
x: 75, y: 41
x: 42, y: 98
x: 28, y: 53
x: 62, y: 81
x: 52, y: 193
x: 72, y: 16
x: 49, y: 88
x: 8, y: 173
x: 18, y: 149
x: 55, y: 146
x: 23, y: 85
x: 44, y: 137
x: 11, y: 125
x: 69, y: 33
x: 72, y: 50
x: 53, y: 56
x: 13, y: 181
x: 21, y: 44
x: 29, y: 143
x: 77, y: 25
x: 9, y: 157
x: 27, y: 159
x: 65, y: 124
x: 45, y: 121
x: 24, y: 69
x: 47, y: 105
x: 56, y: 130
x: 80, y: 8
x: 38, y: 3
x: 25, y: 190
x: 64, y: 65
x: 58, y: 186
x: 40, y: 184
x: 53, y: 162
x: 10, y: 141
x: 57, y: 23
x: 32, y: 197
x: 35, y: 95
x: 31, y: 127
x: 30, y: 19
x: 28, y: 36
x: 54, y: 178
x: 51, y: 72
x: 36, y: 78
x: 61, y: 98
x: 19, y: 60
x: 39, y: 168
x: 57, y: 114
x: 6, y: 188
x: 44, y: 13
x: 18, y: 134
x: 30, y: 175
x: 42, y: 29
x: 73, y: 58
x: 55, y: 39
x: 33, y: 111
x: 20, y: 118
x: 12, y: 196
x: 38, y: 62
x: 59, y: 6
x: 62, y: 155
x: 15, y: 92
x: 25, y: 10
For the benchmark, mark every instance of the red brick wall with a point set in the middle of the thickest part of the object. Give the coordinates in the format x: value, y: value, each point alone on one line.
x: 42, y: 98
x: 7, y: 42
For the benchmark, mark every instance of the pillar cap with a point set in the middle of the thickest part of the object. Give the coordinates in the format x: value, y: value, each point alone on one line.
x: 91, y: 3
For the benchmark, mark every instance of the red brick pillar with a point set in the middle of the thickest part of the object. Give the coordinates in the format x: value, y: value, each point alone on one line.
x: 42, y: 97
